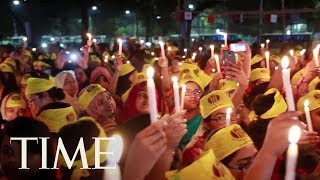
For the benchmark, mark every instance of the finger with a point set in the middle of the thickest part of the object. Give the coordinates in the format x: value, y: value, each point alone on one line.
x: 150, y: 129
x: 178, y: 114
x: 154, y: 138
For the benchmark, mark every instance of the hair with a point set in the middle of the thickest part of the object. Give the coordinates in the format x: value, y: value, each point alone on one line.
x: 249, y: 97
x: 123, y: 84
x: 262, y: 103
x: 229, y: 158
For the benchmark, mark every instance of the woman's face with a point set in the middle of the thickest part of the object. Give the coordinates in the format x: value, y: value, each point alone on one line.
x: 13, y: 112
x: 36, y: 102
x: 192, y: 96
x: 103, y: 81
x: 103, y: 105
x: 142, y: 104
x: 217, y: 119
x: 315, y: 118
x: 175, y: 66
x: 70, y: 86
x: 242, y: 161
x: 80, y: 75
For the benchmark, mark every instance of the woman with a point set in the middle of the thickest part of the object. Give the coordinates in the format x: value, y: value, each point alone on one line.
x: 82, y: 78
x: 101, y: 75
x: 66, y: 80
x: 14, y: 105
x: 127, y: 76
x: 44, y: 99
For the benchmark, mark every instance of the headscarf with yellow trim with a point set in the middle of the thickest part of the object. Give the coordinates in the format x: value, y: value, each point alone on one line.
x: 11, y: 63
x: 257, y: 58
x: 227, y: 85
x: 227, y: 141
x: 313, y: 84
x: 88, y: 94
x: 297, y: 76
x: 279, y: 106
x: 77, y: 172
x: 214, y: 101
x: 12, y: 100
x: 126, y: 69
x: 55, y: 119
x: 259, y: 73
x: 38, y: 85
x: 207, y: 167
x: 6, y: 68
x: 314, y: 100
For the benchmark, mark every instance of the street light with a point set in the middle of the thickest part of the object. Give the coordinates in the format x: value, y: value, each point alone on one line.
x: 135, y: 25
x: 94, y: 8
x: 16, y: 2
x: 191, y: 6
x: 158, y: 17
x: 127, y: 12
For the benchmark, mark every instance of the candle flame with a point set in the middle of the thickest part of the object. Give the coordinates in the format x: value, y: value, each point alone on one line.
x: 150, y: 72
x: 116, y: 147
x: 120, y: 41
x: 268, y: 41
x: 161, y: 43
x: 294, y: 134
x: 113, y: 56
x: 216, y: 57
x: 128, y: 62
x: 152, y: 53
x: 211, y: 46
x: 185, y: 49
x: 306, y: 103
x: 291, y: 52
x: 285, y: 62
x: 229, y: 110
x: 169, y: 48
x: 302, y: 51
x: 262, y: 45
x: 180, y: 63
x: 24, y: 38
x: 89, y: 35
x: 200, y: 48
x: 174, y: 79
x: 94, y: 40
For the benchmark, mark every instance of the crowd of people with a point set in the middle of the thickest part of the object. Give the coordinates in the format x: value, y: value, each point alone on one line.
x: 233, y: 123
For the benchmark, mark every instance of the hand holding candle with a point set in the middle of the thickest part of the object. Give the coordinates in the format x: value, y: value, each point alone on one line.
x: 292, y: 153
x: 151, y: 88
x: 176, y: 94
x: 307, y: 113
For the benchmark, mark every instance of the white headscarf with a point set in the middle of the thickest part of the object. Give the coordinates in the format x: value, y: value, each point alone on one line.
x: 61, y: 77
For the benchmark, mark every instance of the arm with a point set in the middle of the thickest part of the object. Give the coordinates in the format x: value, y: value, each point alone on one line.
x: 166, y: 81
x: 116, y: 75
x: 276, y: 80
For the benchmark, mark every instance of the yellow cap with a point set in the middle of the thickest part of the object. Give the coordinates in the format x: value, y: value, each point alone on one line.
x: 214, y: 101
x: 257, y: 58
x: 40, y: 57
x: 25, y: 78
x: 205, y: 78
x: 13, y: 100
x: 95, y: 58
x: 53, y: 56
x: 55, y: 119
x: 6, y: 68
x: 41, y: 63
x: 259, y: 73
x: 275, y: 58
x: 88, y: 94
x: 314, y: 100
x: 227, y: 141
x: 207, y: 167
x: 227, y: 85
x: 312, y: 85
x: 126, y: 69
x: 188, y: 65
x: 279, y: 106
x: 191, y: 77
x: 38, y: 85
x: 297, y: 76
x: 10, y: 62
x: 77, y: 172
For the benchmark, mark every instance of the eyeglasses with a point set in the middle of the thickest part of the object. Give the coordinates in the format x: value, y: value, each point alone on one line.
x: 221, y: 119
x: 195, y: 92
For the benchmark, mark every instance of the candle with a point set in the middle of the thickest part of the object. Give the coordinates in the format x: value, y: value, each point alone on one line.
x: 267, y: 43
x: 292, y: 153
x: 200, y: 48
x: 162, y: 49
x: 194, y: 56
x: 287, y: 84
x: 262, y: 45
x: 212, y: 51
x: 267, y: 55
x: 216, y: 57
x: 307, y: 113
x: 228, y: 116
x: 183, y: 93
x: 25, y: 39
x: 89, y: 42
x: 151, y: 88
x: 152, y: 53
x: 120, y: 47
x: 302, y: 54
x: 106, y: 58
x: 225, y: 36
x: 89, y: 36
x: 185, y: 51
x: 316, y: 56
x: 291, y: 52
x: 128, y: 62
x: 115, y: 146
x: 94, y: 40
x: 169, y: 48
x: 176, y: 93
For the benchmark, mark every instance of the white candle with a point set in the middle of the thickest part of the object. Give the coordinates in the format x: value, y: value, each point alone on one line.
x: 316, y: 56
x: 194, y: 56
x: 292, y: 153
x: 267, y: 55
x: 225, y: 36
x: 262, y: 45
x: 89, y: 36
x: 185, y: 51
x: 115, y: 146
x: 212, y: 51
x: 287, y: 84
x: 89, y: 42
x: 162, y: 49
x: 151, y: 88
x: 176, y: 93
x: 106, y: 58
x: 120, y: 47
x: 267, y: 43
x: 302, y: 53
x: 216, y: 58
x: 307, y: 113
x: 183, y: 93
x: 128, y: 62
x: 228, y: 116
x: 291, y: 52
x: 169, y: 48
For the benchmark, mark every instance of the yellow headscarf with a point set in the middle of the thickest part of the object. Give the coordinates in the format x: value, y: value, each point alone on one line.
x: 126, y: 69
x: 227, y: 85
x: 10, y: 62
x: 279, y: 106
x: 88, y: 94
x: 257, y: 58
x: 38, y: 85
x: 259, y: 73
x: 314, y: 100
x: 77, y: 173
x: 12, y: 100
x: 297, y: 76
x: 55, y: 119
x: 227, y: 141
x: 214, y: 101
x: 312, y: 85
x: 6, y: 68
x: 207, y: 167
